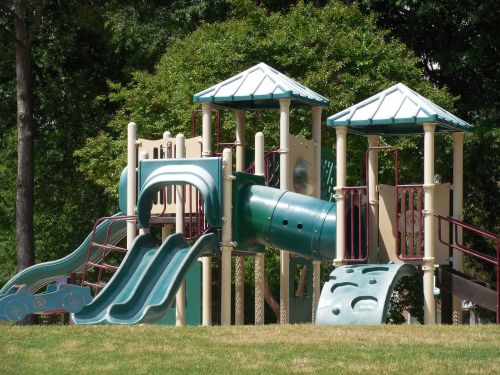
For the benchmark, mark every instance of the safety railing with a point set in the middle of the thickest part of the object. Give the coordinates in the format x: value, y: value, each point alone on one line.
x: 356, y: 224
x: 219, y: 145
x: 456, y: 244
x: 409, y: 222
x: 271, y: 168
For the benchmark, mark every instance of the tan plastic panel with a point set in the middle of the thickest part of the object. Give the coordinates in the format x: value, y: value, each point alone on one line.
x: 153, y: 148
x: 301, y: 149
x: 387, y: 223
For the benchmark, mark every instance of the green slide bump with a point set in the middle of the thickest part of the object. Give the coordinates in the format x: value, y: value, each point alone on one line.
x: 145, y: 284
x: 359, y: 294
x: 40, y: 275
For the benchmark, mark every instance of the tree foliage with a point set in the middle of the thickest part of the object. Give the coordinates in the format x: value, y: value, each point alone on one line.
x: 334, y: 50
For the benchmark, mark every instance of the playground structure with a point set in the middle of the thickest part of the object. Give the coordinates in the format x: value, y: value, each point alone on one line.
x: 181, y: 186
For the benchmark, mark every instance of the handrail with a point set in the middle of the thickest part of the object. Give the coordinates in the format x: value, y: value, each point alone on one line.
x: 456, y: 245
x: 460, y: 247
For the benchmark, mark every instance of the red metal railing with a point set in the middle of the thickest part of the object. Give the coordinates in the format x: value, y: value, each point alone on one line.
x: 219, y: 145
x: 271, y: 168
x: 409, y: 222
x: 477, y: 254
x: 357, y: 224
x: 97, y: 260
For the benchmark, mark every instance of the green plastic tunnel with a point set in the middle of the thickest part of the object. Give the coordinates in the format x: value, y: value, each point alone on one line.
x: 285, y: 220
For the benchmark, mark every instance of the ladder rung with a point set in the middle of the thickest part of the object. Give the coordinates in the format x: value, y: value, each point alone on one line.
x: 110, y: 247
x: 104, y: 266
x: 98, y: 285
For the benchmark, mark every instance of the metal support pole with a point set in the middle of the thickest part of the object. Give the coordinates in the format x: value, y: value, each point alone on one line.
x: 284, y: 174
x: 131, y: 181
x: 206, y: 261
x: 259, y: 258
x: 372, y: 181
x: 180, y: 297
x: 458, y: 204
x: 316, y: 137
x: 341, y: 154
x: 239, y: 269
x: 227, y: 244
x: 429, y: 219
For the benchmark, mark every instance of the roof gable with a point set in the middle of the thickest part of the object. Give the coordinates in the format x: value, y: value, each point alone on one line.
x: 397, y: 110
x: 260, y: 87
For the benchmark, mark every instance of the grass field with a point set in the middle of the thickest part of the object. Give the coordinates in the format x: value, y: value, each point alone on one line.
x: 239, y: 350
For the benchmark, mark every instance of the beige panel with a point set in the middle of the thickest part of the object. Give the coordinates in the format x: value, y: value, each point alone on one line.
x: 387, y: 223
x: 302, y: 150
x: 193, y: 150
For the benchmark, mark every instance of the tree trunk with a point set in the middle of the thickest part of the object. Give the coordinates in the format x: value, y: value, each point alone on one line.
x: 25, y: 161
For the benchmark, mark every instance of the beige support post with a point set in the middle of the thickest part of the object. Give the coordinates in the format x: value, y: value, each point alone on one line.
x: 316, y: 137
x: 206, y: 261
x: 180, y: 297
x: 458, y: 204
x: 131, y: 181
x: 227, y: 242
x: 284, y: 172
x: 259, y: 258
x: 341, y: 154
x: 239, y: 266
x: 429, y: 219
x: 372, y: 181
x: 143, y: 155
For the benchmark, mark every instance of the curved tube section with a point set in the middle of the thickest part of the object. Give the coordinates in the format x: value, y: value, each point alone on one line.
x: 178, y: 175
x: 285, y: 220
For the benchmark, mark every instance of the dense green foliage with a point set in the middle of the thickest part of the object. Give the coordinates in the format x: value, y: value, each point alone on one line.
x: 334, y: 50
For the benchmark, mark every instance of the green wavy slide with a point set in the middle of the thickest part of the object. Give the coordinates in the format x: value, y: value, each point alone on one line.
x: 144, y: 286
x: 40, y: 275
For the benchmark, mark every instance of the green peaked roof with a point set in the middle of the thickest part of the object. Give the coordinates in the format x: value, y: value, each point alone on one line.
x: 260, y: 87
x: 397, y: 110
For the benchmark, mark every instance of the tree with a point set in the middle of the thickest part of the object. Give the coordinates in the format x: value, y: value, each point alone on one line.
x: 25, y: 17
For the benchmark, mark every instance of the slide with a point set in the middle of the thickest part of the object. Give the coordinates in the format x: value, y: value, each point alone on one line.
x: 40, y: 275
x: 145, y: 284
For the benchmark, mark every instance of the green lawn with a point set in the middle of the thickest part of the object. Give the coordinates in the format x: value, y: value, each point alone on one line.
x: 235, y: 350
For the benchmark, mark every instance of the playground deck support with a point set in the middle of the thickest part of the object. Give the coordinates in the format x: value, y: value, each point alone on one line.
x: 316, y: 137
x: 259, y: 258
x: 458, y: 200
x: 372, y: 183
x: 143, y: 155
x: 206, y: 261
x: 341, y: 132
x: 239, y: 271
x: 131, y: 181
x: 284, y: 174
x: 429, y: 227
x: 180, y: 297
x: 227, y: 244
